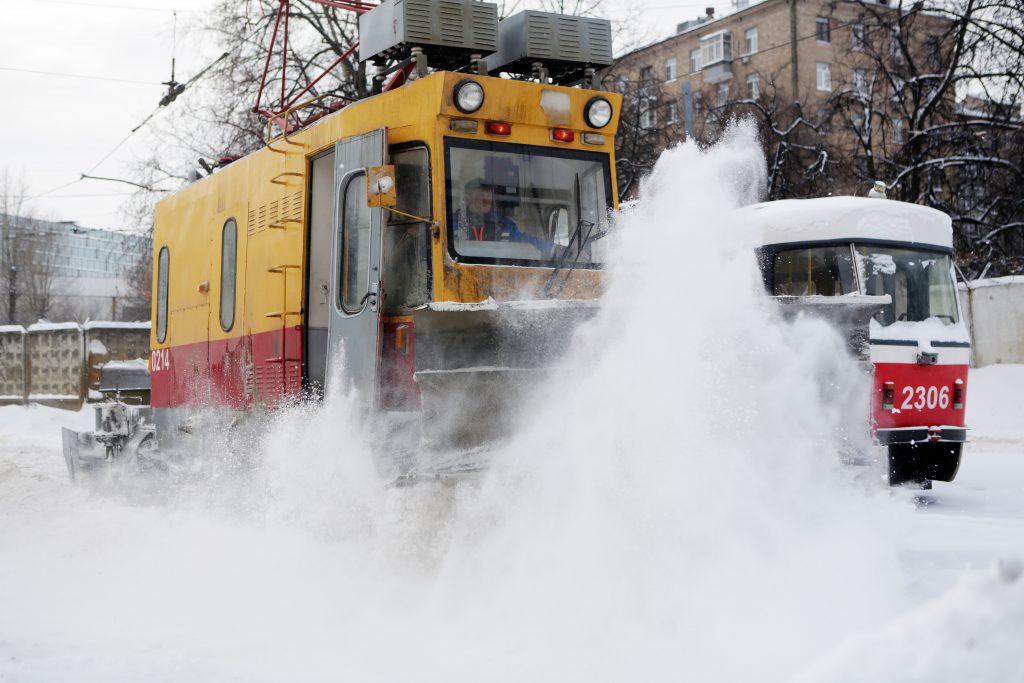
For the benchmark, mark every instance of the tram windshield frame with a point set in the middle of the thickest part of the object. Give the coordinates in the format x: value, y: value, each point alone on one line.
x: 918, y: 280
x: 530, y: 205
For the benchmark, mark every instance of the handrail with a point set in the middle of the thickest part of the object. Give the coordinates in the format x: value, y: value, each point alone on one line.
x: 283, y: 118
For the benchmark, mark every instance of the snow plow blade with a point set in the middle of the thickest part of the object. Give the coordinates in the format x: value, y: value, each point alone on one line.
x: 477, y: 365
x: 81, y: 454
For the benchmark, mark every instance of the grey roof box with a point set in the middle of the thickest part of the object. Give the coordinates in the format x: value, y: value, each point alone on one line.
x: 449, y: 31
x: 564, y: 44
x: 124, y: 376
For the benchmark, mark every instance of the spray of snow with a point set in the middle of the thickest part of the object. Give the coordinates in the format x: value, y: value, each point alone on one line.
x: 672, y: 508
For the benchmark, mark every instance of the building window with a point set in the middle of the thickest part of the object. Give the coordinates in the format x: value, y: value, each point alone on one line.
x: 860, y: 82
x: 648, y: 114
x: 695, y: 64
x: 670, y: 69
x: 750, y: 41
x: 931, y: 48
x: 621, y: 83
x: 723, y: 93
x: 860, y: 127
x: 857, y: 36
x: 895, y: 49
x: 824, y: 118
x: 897, y: 89
x: 822, y: 31
x: 228, y: 260
x: 897, y: 131
x: 824, y: 72
x: 753, y: 86
x: 672, y: 113
x: 716, y: 48
x: 355, y: 246
x: 646, y: 77
x: 163, y: 264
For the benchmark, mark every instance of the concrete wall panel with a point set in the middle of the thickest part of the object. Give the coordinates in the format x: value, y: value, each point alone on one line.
x: 997, y: 320
x: 12, y: 364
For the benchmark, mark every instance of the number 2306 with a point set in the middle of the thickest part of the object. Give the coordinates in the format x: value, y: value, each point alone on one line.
x: 917, y: 398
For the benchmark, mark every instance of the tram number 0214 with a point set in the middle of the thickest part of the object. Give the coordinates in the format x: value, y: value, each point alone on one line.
x: 920, y: 397
x: 159, y: 359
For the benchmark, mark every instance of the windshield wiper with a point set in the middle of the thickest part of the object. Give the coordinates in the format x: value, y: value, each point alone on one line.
x: 578, y: 235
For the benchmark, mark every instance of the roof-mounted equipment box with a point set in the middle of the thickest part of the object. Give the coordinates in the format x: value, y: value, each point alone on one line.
x: 448, y: 31
x: 565, y: 45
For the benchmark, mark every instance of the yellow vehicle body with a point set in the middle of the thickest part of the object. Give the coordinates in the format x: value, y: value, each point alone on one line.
x: 235, y: 335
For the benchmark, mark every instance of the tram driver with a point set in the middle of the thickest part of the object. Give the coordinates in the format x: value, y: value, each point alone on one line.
x: 482, y: 220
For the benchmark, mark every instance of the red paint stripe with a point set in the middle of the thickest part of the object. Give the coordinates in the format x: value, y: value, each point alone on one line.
x: 238, y: 372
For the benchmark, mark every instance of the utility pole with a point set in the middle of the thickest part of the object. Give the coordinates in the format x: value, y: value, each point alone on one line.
x: 795, y: 81
x: 12, y: 295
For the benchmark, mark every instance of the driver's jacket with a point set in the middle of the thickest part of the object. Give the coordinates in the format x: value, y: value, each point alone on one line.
x: 493, y: 228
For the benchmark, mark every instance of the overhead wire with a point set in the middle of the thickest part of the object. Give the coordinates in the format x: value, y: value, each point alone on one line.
x: 162, y: 105
x: 82, y: 76
x: 104, y: 5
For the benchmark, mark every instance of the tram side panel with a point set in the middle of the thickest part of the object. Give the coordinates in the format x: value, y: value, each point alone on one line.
x: 229, y: 354
x: 179, y: 356
x: 228, y: 280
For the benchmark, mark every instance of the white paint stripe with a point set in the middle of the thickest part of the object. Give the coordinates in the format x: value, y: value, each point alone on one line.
x: 887, y: 353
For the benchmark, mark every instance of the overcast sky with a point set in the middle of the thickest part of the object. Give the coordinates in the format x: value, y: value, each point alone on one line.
x: 104, y: 61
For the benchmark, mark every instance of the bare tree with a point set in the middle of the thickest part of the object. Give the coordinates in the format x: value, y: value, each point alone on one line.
x: 650, y: 120
x: 28, y: 256
x: 799, y: 163
x: 932, y: 104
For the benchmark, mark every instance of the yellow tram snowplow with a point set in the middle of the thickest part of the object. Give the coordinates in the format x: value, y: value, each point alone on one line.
x: 432, y: 246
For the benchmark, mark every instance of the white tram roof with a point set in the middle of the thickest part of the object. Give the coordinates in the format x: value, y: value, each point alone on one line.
x: 791, y: 221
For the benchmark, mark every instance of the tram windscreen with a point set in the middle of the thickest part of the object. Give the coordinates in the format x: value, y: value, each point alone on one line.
x: 521, y: 203
x: 920, y: 283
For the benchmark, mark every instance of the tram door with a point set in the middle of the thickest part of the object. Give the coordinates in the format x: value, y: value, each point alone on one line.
x: 355, y: 297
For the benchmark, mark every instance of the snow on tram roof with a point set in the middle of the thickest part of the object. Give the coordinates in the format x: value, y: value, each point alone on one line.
x: 840, y: 218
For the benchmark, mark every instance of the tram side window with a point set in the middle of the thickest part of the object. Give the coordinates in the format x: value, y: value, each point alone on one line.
x: 228, y: 257
x: 163, y: 265
x: 810, y: 271
x: 355, y: 246
x: 407, y: 240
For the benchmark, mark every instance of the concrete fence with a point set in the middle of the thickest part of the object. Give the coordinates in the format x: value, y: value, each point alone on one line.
x: 995, y: 316
x: 59, y: 363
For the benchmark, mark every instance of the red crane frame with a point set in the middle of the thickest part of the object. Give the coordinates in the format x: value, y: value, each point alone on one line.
x: 283, y: 10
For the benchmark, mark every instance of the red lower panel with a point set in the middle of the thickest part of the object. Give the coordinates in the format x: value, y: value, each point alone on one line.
x: 398, y: 390
x: 237, y: 373
x: 923, y: 395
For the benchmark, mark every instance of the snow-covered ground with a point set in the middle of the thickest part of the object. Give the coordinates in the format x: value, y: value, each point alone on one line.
x: 93, y: 589
x: 673, y: 508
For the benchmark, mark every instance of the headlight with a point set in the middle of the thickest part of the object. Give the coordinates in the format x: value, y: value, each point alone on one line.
x: 598, y: 112
x: 469, y: 96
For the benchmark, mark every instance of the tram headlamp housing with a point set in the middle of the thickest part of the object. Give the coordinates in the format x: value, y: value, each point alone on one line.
x: 468, y: 96
x: 598, y: 112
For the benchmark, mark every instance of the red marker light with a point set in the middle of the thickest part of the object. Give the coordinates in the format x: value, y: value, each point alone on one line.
x: 958, y: 394
x: 562, y: 135
x: 496, y: 128
x: 888, y: 394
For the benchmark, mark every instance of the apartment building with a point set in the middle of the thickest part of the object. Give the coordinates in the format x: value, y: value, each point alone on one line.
x: 852, y: 71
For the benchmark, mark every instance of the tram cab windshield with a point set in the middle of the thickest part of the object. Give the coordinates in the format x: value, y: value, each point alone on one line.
x: 919, y: 282
x: 524, y: 204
